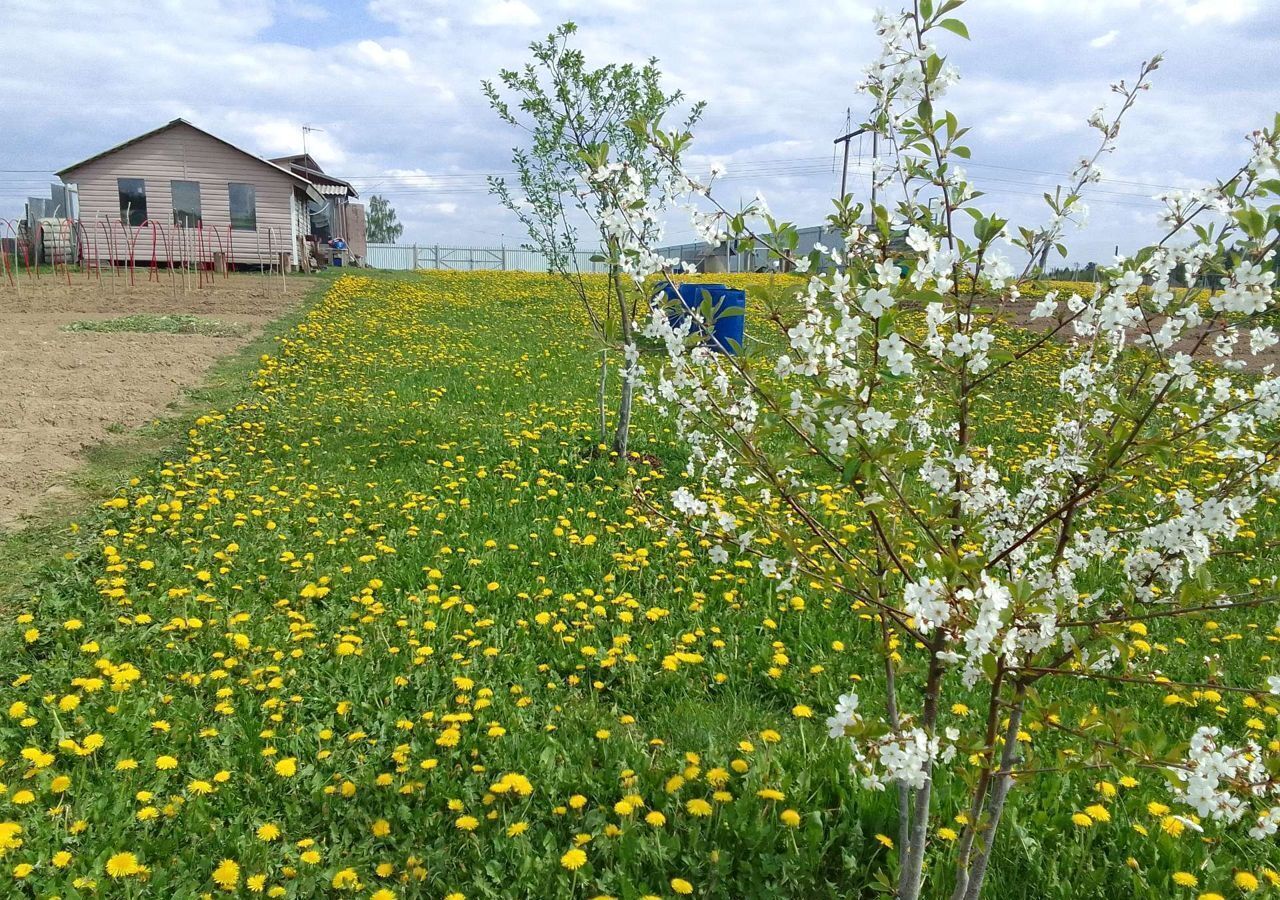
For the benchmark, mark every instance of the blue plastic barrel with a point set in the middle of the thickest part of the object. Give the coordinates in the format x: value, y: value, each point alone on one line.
x: 691, y: 295
x: 728, y: 306
x: 730, y: 320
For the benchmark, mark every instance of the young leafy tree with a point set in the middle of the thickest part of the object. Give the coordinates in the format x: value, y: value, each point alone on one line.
x: 577, y: 119
x: 381, y: 226
x: 996, y: 570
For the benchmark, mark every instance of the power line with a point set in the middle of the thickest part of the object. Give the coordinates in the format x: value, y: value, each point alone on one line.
x: 794, y: 165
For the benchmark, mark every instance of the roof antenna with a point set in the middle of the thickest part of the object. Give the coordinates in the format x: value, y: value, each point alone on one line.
x: 307, y: 129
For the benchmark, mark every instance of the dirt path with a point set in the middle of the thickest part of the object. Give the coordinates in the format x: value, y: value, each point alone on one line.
x: 63, y: 392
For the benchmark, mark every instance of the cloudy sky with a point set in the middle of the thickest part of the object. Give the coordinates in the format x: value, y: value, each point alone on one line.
x: 394, y: 84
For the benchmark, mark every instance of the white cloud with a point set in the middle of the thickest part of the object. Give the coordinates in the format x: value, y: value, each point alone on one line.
x: 505, y: 12
x: 1104, y: 40
x: 1198, y: 12
x: 282, y: 137
x: 1190, y: 12
x: 1027, y: 112
x: 383, y: 58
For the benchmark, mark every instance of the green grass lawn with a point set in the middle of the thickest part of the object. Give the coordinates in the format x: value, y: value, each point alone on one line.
x: 383, y: 620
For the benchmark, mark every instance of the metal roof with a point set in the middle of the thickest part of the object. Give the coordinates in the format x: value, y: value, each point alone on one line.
x: 305, y: 165
x: 334, y: 190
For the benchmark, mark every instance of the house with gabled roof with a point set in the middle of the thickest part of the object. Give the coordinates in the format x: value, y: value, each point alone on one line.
x: 179, y: 183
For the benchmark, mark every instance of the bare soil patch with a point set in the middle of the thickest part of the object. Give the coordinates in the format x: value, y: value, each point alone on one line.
x: 63, y: 392
x: 1198, y: 342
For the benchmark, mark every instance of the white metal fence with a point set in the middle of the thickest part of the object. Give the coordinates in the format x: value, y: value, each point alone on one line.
x: 466, y: 259
x: 728, y: 258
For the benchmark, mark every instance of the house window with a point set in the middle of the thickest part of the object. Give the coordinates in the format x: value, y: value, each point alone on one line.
x: 244, y: 207
x: 186, y: 203
x: 133, y: 200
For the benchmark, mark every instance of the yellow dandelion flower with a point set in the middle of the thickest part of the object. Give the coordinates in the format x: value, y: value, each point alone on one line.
x: 345, y: 879
x: 699, y: 807
x: 1245, y: 881
x: 122, y: 865
x: 227, y: 875
x: 573, y: 859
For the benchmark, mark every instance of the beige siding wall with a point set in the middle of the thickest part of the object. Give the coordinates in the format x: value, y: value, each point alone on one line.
x: 184, y: 154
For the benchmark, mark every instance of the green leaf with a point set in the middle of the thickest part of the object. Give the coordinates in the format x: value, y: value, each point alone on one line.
x: 955, y: 26
x: 1252, y: 222
x: 925, y: 111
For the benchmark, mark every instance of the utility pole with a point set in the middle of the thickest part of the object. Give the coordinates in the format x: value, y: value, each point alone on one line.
x: 875, y: 155
x: 844, y: 170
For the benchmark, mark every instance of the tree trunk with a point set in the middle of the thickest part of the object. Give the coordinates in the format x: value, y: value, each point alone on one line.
x: 912, y: 875
x: 603, y: 393
x: 978, y: 803
x: 895, y: 722
x: 999, y: 792
x: 622, y: 435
